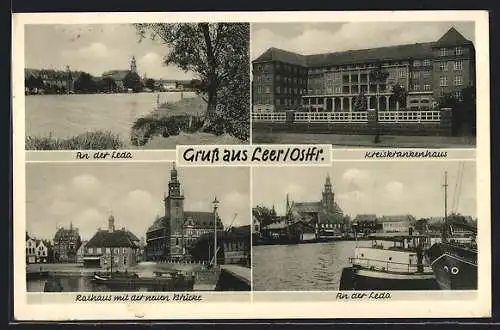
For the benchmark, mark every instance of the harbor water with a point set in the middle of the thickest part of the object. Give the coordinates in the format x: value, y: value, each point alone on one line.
x: 301, y: 267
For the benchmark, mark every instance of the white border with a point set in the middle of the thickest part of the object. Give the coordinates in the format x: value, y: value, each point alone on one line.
x: 481, y: 306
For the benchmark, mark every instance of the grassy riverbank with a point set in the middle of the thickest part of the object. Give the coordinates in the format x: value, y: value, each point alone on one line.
x: 87, y: 141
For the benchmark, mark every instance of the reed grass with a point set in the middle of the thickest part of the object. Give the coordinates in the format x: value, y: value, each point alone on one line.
x: 97, y: 140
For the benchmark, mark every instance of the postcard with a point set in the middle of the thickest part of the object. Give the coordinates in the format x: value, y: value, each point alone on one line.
x: 251, y: 165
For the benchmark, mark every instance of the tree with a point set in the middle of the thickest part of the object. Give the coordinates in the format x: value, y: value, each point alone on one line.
x: 265, y: 215
x: 133, y: 81
x: 150, y: 83
x: 400, y: 93
x: 107, y: 85
x: 85, y: 84
x: 219, y: 54
x: 463, y: 109
x: 361, y: 102
x: 378, y: 75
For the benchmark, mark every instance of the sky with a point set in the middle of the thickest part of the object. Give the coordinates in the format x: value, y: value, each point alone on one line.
x: 86, y: 194
x: 314, y: 38
x: 382, y: 188
x: 96, y: 48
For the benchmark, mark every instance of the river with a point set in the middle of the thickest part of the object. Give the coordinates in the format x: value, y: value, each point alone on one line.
x: 65, y: 116
x: 301, y: 267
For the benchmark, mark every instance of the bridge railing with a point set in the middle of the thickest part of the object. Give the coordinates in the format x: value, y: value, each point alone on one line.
x: 269, y: 117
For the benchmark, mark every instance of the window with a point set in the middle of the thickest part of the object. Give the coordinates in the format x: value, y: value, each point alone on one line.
x: 278, y: 89
x: 268, y: 89
x: 416, y: 87
x: 116, y: 251
x: 443, y: 52
x: 458, y: 65
x: 458, y: 81
x: 416, y: 74
x: 459, y: 51
x: 124, y: 260
x: 443, y: 66
x: 427, y: 74
x: 402, y: 74
x: 443, y: 81
x: 99, y: 250
x: 427, y: 87
x: 427, y: 62
x: 416, y: 63
x: 458, y: 95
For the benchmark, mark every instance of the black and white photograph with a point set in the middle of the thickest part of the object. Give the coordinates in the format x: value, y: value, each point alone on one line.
x: 365, y: 226
x: 365, y: 84
x: 136, y: 86
x: 136, y: 227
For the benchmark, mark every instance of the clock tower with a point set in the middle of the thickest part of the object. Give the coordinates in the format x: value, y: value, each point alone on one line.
x: 174, y: 204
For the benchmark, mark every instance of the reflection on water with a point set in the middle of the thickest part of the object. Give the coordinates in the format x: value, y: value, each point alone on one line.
x: 316, y: 266
x: 69, y: 115
x: 71, y: 283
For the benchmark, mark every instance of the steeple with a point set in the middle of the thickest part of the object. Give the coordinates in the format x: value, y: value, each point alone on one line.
x: 133, y: 65
x: 174, y: 186
x: 287, y: 203
x: 328, y: 200
x: 111, y: 224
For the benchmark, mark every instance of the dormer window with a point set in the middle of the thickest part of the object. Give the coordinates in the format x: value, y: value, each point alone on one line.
x: 443, y: 52
x: 459, y: 50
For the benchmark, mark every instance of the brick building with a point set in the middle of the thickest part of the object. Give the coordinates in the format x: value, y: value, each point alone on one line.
x: 66, y: 244
x: 172, y: 235
x: 332, y: 82
x: 117, y: 247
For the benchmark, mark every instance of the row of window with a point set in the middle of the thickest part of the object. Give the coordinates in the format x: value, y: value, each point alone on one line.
x: 457, y: 65
x: 448, y: 51
x: 116, y: 260
x: 443, y: 81
x: 288, y: 90
x: 427, y: 87
x: 291, y: 80
x: 108, y: 250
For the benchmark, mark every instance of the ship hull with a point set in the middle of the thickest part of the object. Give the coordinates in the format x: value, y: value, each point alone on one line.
x: 354, y: 278
x: 455, y: 267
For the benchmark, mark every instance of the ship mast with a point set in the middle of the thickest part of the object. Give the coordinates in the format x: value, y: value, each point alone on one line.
x: 445, y: 185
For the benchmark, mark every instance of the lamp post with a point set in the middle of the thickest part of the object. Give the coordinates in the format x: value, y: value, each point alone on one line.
x: 215, y: 204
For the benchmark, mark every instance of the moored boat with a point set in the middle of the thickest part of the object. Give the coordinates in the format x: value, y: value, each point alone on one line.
x: 385, y: 267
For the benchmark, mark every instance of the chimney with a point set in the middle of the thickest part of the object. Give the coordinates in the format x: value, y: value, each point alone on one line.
x: 111, y: 224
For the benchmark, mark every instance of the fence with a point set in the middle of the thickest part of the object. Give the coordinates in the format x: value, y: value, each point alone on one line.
x: 350, y: 117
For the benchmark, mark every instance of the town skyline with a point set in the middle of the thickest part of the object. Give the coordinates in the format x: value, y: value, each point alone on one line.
x: 372, y: 188
x: 316, y: 38
x: 95, y: 49
x: 86, y: 195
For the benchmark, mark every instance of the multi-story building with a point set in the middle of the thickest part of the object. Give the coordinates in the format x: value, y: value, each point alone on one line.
x: 116, y: 248
x: 397, y: 223
x: 30, y: 250
x: 172, y: 235
x: 66, y: 244
x: 333, y: 82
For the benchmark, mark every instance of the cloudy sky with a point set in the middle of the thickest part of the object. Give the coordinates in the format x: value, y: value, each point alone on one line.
x: 96, y: 48
x: 311, y: 38
x: 86, y: 194
x: 383, y: 188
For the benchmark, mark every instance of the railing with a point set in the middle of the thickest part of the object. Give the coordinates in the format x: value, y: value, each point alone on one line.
x: 384, y: 265
x: 409, y: 116
x: 331, y: 117
x: 351, y: 117
x: 272, y: 116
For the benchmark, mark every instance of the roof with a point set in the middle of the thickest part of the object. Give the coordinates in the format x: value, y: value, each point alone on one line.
x: 452, y: 38
x: 66, y: 234
x: 307, y: 207
x: 365, y: 217
x: 280, y: 55
x: 116, y: 238
x: 27, y: 236
x: 276, y: 225
x: 51, y: 74
x: 116, y: 74
x: 394, y: 53
x: 397, y: 218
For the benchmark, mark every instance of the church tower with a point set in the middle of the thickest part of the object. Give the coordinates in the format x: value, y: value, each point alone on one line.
x: 174, y: 203
x: 328, y: 200
x: 133, y: 65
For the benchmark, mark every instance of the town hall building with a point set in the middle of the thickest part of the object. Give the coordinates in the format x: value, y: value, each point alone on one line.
x: 172, y: 235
